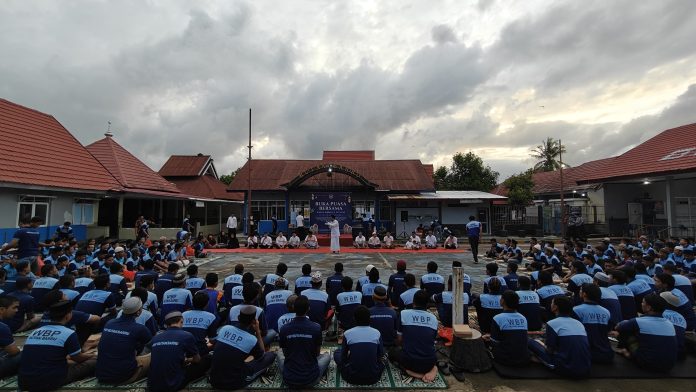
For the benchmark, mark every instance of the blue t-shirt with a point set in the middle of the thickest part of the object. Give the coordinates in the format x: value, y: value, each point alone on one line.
x: 361, y: 355
x: 318, y: 305
x: 384, y: 319
x: 201, y: 325
x: 276, y: 307
x: 300, y: 340
x: 121, y: 339
x: 657, y: 341
x: 42, y: 286
x: 176, y: 299
x: 432, y: 283
x: 169, y: 349
x: 6, y: 338
x: 348, y: 301
x: 26, y: 306
x: 444, y: 302
x: 333, y: 287
x: 43, y: 365
x: 229, y: 283
x: 84, y: 284
x: 303, y: 283
x: 396, y: 286
x: 487, y: 306
x: 228, y: 369
x: 96, y: 302
x: 418, y: 330
x: 406, y: 298
x: 473, y: 228
x: 260, y: 317
x: 194, y: 284
x: 367, y: 290
x: 610, y: 301
x: 503, y: 283
x: 597, y: 322
x: 567, y: 343
x: 509, y: 338
x: 27, y: 242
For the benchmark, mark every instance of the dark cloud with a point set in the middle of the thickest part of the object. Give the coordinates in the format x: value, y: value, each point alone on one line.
x: 442, y: 34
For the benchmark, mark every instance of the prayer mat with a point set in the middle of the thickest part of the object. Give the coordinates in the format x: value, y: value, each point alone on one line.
x: 620, y: 368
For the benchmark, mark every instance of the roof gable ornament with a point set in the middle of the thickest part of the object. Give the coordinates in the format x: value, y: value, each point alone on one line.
x: 328, y: 168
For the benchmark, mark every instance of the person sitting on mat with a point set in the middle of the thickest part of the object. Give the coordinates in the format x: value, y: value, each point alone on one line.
x: 360, y: 360
x: 597, y: 322
x: 294, y: 241
x: 374, y: 242
x: 383, y: 317
x: 508, y: 337
x: 488, y: 306
x: 649, y: 340
x: 388, y: 241
x: 529, y: 305
x: 360, y: 241
x: 416, y: 334
x: 677, y: 320
x: 311, y: 242
x: 347, y: 302
x: 566, y: 349
x: 430, y: 240
x: 301, y: 361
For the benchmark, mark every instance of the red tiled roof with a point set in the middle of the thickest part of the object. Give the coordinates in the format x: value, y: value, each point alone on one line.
x: 184, y: 165
x: 429, y: 169
x: 130, y: 172
x: 364, y: 155
x: 670, y: 152
x: 206, y: 187
x: 397, y: 175
x: 32, y: 145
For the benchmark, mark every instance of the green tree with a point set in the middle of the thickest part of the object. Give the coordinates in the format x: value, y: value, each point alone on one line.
x: 467, y: 172
x: 440, y: 177
x: 546, y: 154
x: 519, y: 188
x: 227, y: 178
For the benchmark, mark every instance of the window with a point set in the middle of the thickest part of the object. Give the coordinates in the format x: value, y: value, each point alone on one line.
x: 299, y: 205
x: 363, y: 207
x: 83, y: 212
x: 30, y: 206
x: 268, y: 208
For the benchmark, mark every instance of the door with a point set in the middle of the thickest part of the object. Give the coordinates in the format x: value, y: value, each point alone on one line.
x: 108, y: 215
x: 635, y: 214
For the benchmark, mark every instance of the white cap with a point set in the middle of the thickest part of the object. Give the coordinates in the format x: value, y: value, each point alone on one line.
x: 119, y: 249
x: 369, y: 268
x: 602, y: 277
x: 678, y: 247
x: 537, y: 247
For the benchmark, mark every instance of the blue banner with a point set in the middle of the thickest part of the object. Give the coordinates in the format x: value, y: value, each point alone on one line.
x: 324, y: 204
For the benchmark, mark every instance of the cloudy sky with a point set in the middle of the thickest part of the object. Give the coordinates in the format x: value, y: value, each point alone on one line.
x: 408, y: 79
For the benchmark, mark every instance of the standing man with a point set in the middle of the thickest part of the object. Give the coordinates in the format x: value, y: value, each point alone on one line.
x: 473, y: 231
x: 231, y: 226
x: 274, y: 222
x: 26, y: 240
x: 299, y: 223
x: 335, y: 234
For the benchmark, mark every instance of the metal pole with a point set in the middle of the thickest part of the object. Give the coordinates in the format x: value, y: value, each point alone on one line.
x: 457, y: 290
x: 249, y: 211
x: 563, y: 210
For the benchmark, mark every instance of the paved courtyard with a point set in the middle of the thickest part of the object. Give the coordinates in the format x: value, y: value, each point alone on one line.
x: 262, y: 263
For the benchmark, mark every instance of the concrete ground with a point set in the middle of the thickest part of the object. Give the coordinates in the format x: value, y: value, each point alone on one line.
x: 262, y: 263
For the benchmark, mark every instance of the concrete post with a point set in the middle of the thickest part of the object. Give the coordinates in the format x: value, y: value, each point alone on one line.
x: 457, y: 290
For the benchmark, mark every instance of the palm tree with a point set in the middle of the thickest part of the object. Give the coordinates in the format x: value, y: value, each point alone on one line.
x: 546, y: 153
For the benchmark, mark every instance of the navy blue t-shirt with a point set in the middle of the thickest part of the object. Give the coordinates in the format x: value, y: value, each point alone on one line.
x: 418, y: 330
x: 201, y: 325
x: 566, y: 341
x: 42, y: 286
x: 530, y: 307
x: 384, y: 319
x: 396, y: 286
x: 657, y: 341
x: 228, y: 369
x: 509, y: 338
x: 597, y: 323
x: 195, y: 284
x: 26, y: 306
x: 347, y: 303
x: 121, y: 339
x: 333, y: 287
x: 361, y: 355
x: 27, y: 242
x: 229, y: 283
x: 169, y: 349
x: 444, y: 302
x: 43, y: 366
x: 318, y: 305
x: 276, y: 307
x: 96, y: 302
x: 300, y: 341
x: 176, y: 300
x: 432, y: 283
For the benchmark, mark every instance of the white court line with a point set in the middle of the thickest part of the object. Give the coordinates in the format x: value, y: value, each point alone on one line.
x: 208, y: 260
x: 386, y: 263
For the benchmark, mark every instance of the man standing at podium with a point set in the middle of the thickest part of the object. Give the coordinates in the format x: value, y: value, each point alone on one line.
x: 335, y: 234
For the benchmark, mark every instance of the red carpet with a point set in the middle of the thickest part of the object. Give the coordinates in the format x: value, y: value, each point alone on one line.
x: 328, y: 250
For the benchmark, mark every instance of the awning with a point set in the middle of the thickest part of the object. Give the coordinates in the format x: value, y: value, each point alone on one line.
x: 470, y: 197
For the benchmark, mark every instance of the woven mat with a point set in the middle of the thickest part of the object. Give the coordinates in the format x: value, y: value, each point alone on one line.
x: 391, y: 379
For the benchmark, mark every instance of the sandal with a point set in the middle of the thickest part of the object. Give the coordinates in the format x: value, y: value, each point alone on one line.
x: 443, y: 367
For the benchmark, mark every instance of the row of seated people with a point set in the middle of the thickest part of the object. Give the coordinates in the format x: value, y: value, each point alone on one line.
x: 413, y: 242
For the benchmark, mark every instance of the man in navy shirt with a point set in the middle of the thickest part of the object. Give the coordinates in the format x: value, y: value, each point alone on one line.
x: 99, y: 300
x: 597, y: 322
x: 231, y: 282
x: 432, y: 282
x: 304, y: 282
x: 473, y: 231
x: 488, y: 306
x: 508, y: 337
x: 177, y: 298
x: 268, y: 281
x: 174, y: 357
x: 44, y: 364
x: 26, y: 240
x: 276, y: 304
x: 444, y: 302
x: 665, y: 282
x: 44, y: 284
x: 529, y: 304
x: 511, y: 278
x: 547, y: 291
x: 383, y: 318
x: 121, y: 341
x: 396, y: 284
x: 193, y: 282
x: 492, y: 272
x: 416, y: 335
x: 348, y: 301
x: 200, y: 323
x: 360, y: 360
x: 368, y: 288
x: 649, y: 340
x: 164, y: 282
x: 10, y: 354
x: 566, y: 349
x: 318, y: 300
x: 229, y: 368
x: 301, y: 360
x: 25, y: 318
x: 578, y: 277
x: 333, y: 283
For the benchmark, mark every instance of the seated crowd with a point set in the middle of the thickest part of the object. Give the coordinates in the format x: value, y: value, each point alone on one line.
x: 173, y: 326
